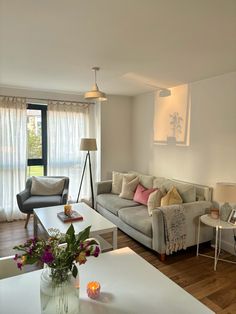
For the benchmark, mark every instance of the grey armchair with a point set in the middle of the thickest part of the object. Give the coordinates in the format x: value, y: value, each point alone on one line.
x: 27, y: 202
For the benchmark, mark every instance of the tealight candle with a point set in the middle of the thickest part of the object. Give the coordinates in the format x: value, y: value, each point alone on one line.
x: 68, y: 209
x: 93, y: 289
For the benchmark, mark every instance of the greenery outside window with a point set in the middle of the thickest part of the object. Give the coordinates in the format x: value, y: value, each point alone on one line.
x: 36, y: 140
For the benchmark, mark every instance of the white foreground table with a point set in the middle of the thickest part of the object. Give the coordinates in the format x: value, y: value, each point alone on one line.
x: 129, y: 285
x: 47, y: 217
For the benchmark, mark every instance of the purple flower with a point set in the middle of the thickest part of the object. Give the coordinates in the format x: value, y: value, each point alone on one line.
x: 19, y: 265
x: 96, y: 251
x: 29, y: 251
x: 87, y: 252
x: 47, y: 257
x: 16, y: 257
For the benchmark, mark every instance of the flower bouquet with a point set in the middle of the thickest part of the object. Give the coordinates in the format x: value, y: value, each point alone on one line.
x: 60, y: 252
x: 59, y: 285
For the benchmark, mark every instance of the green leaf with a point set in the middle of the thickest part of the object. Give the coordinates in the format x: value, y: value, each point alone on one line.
x: 74, y: 271
x: 83, y: 235
x: 71, y: 230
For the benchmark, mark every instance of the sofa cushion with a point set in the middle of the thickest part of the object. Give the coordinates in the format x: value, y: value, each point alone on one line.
x: 142, y: 194
x: 129, y: 185
x: 154, y: 201
x: 186, y: 191
x: 47, y: 186
x: 137, y: 217
x: 144, y: 180
x: 159, y: 182
x: 117, y: 179
x: 42, y: 201
x: 172, y: 197
x: 113, y: 202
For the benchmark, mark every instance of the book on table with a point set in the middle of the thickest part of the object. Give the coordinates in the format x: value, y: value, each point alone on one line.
x: 75, y: 216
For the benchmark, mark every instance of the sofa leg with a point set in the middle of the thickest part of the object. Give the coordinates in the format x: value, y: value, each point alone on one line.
x: 27, y: 220
x: 162, y: 257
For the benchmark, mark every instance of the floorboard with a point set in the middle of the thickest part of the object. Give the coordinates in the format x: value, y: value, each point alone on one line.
x: 216, y: 289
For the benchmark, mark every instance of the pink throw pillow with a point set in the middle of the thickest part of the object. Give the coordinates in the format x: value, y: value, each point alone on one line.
x: 141, y: 194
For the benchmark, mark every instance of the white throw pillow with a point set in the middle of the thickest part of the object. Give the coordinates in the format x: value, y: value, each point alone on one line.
x: 154, y: 201
x: 47, y: 186
x: 117, y: 179
x: 129, y: 186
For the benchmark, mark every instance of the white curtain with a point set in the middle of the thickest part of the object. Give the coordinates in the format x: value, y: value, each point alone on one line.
x: 67, y: 124
x: 13, y: 159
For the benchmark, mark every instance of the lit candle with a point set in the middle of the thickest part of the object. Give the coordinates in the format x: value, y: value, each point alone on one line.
x: 93, y: 289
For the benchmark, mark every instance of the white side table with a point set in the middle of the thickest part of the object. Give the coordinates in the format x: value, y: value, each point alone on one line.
x: 219, y: 225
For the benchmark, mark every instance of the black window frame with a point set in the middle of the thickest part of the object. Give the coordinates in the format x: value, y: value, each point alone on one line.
x: 40, y: 161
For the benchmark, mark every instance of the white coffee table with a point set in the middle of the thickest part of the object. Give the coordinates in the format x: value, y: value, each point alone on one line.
x: 129, y: 285
x: 47, y: 218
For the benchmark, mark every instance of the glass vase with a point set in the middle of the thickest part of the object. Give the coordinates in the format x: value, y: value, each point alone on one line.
x: 59, y: 291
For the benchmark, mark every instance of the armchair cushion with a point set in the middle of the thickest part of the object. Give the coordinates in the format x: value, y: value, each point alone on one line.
x: 42, y: 201
x: 47, y: 186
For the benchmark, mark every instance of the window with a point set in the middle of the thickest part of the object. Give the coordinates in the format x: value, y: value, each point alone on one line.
x: 36, y: 140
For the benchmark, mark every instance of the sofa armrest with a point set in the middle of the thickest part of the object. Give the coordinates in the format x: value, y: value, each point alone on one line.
x: 192, y: 210
x: 200, y: 207
x: 103, y: 187
x: 22, y: 197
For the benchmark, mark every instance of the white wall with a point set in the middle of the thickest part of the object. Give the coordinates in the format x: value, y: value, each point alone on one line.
x: 116, y: 135
x: 211, y: 156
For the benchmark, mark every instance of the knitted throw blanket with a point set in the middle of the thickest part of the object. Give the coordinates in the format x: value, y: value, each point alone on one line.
x: 174, y: 228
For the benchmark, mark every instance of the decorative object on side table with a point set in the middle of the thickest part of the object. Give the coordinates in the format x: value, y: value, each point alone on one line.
x: 232, y: 217
x: 215, y: 213
x: 225, y: 193
x: 59, y: 286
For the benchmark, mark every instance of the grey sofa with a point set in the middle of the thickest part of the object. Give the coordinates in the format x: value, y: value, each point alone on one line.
x: 133, y: 218
x: 27, y: 202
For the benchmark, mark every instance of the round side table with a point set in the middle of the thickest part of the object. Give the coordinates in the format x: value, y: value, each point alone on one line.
x: 219, y: 225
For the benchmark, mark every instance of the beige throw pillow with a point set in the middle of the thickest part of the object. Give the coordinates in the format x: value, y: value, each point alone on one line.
x: 154, y: 201
x: 172, y: 197
x: 117, y: 179
x: 47, y: 186
x: 129, y: 186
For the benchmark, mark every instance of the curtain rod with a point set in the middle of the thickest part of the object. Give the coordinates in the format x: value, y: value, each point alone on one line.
x: 47, y: 99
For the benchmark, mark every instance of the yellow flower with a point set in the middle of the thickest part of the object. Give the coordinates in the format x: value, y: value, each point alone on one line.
x: 23, y: 259
x: 81, y: 258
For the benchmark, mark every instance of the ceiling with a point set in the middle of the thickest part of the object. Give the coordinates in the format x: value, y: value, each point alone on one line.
x: 139, y: 44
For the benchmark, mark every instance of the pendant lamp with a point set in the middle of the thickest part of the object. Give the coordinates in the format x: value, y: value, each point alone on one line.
x: 95, y: 93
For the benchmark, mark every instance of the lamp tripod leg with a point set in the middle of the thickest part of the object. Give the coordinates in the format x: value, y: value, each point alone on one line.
x: 91, y: 180
x: 81, y: 181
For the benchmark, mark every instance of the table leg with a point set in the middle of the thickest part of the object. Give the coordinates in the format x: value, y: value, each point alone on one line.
x: 114, y: 239
x: 216, y: 247
x: 219, y: 249
x: 35, y: 226
x: 198, y: 235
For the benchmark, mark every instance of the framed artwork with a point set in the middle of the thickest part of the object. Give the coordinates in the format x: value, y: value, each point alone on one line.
x: 232, y: 217
x: 172, y: 117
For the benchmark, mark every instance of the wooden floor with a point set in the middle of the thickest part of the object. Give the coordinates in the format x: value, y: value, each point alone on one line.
x: 217, y: 290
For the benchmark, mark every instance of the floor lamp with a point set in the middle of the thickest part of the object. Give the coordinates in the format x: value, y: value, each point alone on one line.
x: 87, y: 144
